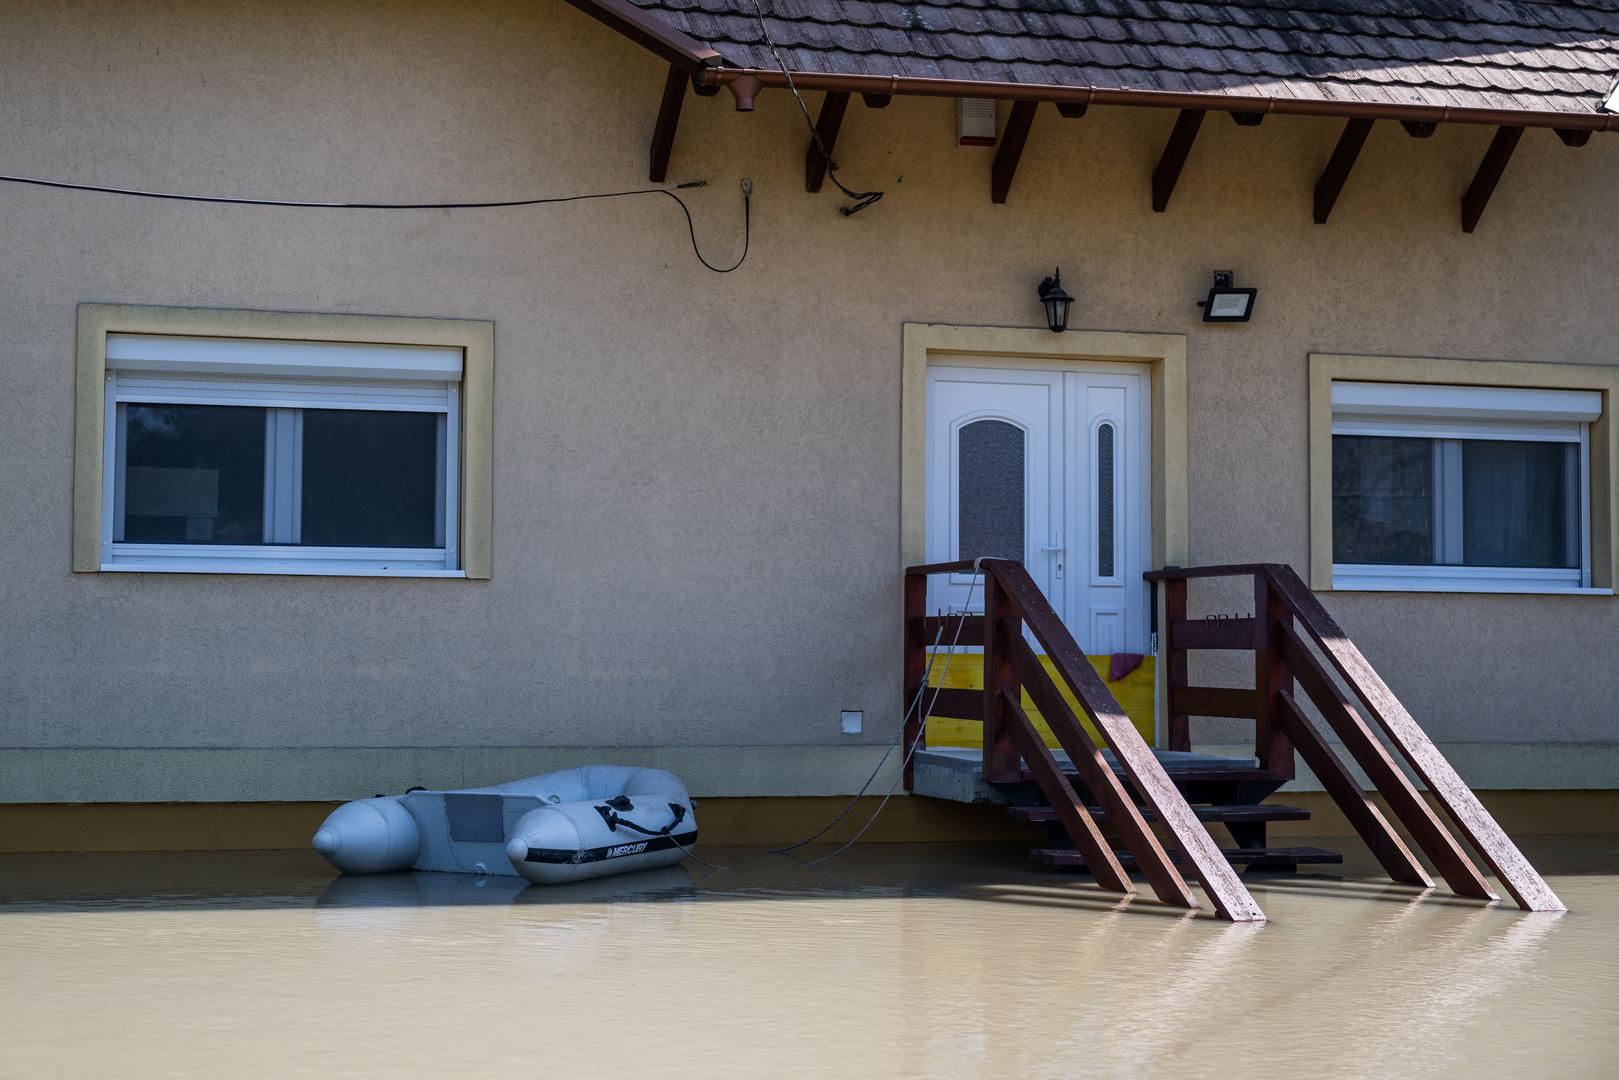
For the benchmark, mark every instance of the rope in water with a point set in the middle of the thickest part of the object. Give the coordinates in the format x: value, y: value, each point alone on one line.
x: 961, y: 622
x: 926, y: 676
x: 916, y: 702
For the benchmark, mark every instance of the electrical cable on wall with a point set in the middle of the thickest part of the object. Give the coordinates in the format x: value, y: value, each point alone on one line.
x: 862, y: 199
x: 301, y: 204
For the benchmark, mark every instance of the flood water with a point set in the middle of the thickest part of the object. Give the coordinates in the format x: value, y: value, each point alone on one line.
x: 891, y: 961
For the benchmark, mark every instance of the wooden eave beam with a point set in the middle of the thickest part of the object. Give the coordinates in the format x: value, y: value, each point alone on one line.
x: 663, y: 132
x: 1331, y: 184
x: 827, y: 124
x: 1010, y: 149
x: 1478, y: 193
x: 1173, y: 158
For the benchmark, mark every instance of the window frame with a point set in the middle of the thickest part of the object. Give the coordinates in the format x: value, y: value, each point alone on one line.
x: 1465, y: 399
x: 1447, y: 417
x: 360, y: 361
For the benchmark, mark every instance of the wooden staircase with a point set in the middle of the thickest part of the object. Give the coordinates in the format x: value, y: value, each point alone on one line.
x: 1138, y: 793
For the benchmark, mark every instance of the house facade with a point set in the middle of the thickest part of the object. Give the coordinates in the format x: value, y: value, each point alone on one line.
x: 311, y: 502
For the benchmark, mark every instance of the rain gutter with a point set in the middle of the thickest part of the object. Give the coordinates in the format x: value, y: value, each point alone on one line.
x: 752, y: 79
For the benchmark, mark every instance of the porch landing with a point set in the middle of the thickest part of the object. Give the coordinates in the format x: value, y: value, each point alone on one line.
x: 956, y: 773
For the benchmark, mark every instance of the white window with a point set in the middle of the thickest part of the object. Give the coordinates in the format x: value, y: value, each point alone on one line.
x: 240, y: 455
x: 1463, y: 488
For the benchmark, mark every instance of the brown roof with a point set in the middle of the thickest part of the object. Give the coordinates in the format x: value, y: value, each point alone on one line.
x: 1497, y: 55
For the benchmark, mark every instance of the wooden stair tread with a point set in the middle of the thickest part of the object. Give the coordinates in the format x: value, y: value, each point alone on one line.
x: 1292, y: 856
x: 1242, y: 812
x: 1184, y: 768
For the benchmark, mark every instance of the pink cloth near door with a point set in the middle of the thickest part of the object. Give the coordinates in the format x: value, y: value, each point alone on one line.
x: 1122, y: 664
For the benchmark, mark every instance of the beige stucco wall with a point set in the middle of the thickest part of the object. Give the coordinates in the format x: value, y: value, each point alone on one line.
x: 696, y: 477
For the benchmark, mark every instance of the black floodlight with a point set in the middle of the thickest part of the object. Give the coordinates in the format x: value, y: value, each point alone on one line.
x: 1057, y: 302
x: 1226, y: 302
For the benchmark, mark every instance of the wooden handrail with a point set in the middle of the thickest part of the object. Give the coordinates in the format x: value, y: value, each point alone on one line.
x: 960, y: 566
x: 1403, y: 797
x: 1515, y: 872
x: 1283, y: 606
x: 1181, y: 573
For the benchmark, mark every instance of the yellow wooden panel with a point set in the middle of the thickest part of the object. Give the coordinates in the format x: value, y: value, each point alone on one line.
x: 966, y: 672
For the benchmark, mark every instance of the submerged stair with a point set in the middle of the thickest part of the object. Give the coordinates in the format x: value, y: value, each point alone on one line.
x: 1238, y: 813
x: 1246, y: 821
x: 1254, y: 858
x: 1158, y: 804
x: 1237, y: 782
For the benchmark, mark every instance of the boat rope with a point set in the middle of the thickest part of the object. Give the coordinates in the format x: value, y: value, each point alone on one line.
x: 693, y: 856
x: 927, y: 676
x: 921, y: 730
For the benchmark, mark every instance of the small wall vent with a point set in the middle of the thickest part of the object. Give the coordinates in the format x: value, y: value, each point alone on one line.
x: 975, y: 121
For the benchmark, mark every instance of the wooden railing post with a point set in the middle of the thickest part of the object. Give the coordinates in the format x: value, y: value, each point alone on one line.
x: 1271, y: 677
x: 1175, y: 678
x: 1002, y: 762
x: 1286, y: 612
x: 915, y: 668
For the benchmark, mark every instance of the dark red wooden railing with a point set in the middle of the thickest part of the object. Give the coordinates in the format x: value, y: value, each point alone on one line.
x: 1012, y: 601
x: 1286, y: 615
x: 1288, y: 620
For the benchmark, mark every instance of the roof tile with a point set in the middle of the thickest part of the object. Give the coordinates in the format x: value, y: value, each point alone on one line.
x: 1496, y: 54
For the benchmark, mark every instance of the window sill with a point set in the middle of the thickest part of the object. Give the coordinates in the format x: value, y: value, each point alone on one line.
x: 1442, y: 584
x: 170, y: 566
x: 267, y: 559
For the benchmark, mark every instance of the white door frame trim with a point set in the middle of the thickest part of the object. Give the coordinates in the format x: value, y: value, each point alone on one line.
x: 986, y: 346
x: 990, y: 346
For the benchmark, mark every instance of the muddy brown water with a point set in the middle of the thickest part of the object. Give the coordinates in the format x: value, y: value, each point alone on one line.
x: 891, y: 961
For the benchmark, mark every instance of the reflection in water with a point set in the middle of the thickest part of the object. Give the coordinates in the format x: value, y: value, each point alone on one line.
x: 421, y: 889
x: 924, y: 961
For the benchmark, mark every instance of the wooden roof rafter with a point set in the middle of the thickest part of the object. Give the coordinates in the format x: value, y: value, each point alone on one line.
x: 1010, y: 149
x: 1173, y: 159
x: 1344, y: 155
x: 827, y: 125
x: 1478, y: 193
x: 650, y: 24
x: 663, y: 131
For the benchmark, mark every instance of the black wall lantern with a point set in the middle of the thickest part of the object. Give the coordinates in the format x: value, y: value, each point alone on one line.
x: 1057, y: 302
x: 1226, y: 302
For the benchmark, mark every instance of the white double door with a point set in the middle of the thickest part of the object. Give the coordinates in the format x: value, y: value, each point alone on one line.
x: 1048, y: 467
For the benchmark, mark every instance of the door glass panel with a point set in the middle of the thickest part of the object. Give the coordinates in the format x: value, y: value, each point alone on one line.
x: 1382, y: 500
x: 1104, y: 501
x: 1520, y: 506
x: 193, y: 474
x: 370, y: 479
x: 990, y: 461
